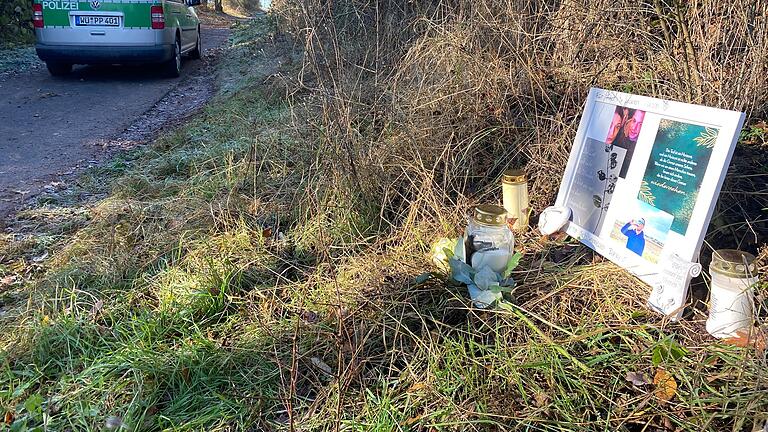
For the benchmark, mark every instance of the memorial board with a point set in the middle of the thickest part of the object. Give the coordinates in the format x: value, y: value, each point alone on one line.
x: 642, y: 181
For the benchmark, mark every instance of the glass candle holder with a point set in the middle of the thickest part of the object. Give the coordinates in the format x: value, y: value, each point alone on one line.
x: 731, y: 293
x: 514, y: 189
x: 489, y: 241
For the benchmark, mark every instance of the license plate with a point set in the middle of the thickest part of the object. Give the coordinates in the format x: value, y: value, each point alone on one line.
x: 97, y: 20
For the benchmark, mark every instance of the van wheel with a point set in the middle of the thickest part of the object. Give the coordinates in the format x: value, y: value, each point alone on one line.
x: 172, y: 67
x: 197, y: 52
x: 58, y: 68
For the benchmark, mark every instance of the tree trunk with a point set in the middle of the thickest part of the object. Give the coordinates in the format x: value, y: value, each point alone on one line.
x: 217, y: 6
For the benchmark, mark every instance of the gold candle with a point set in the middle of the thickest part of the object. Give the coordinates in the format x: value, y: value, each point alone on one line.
x: 514, y: 189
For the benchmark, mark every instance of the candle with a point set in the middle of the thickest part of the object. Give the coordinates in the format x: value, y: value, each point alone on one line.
x: 731, y: 292
x: 514, y: 189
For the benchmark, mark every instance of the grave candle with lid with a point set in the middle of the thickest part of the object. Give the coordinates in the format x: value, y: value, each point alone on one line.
x: 731, y: 293
x: 514, y: 190
x: 488, y: 240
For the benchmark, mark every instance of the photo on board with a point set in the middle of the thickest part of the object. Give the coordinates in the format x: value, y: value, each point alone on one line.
x: 594, y: 182
x: 625, y: 127
x: 642, y: 229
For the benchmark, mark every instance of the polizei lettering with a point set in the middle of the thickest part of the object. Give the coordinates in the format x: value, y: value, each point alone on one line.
x: 60, y: 5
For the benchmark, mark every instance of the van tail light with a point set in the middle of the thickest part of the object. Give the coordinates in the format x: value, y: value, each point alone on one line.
x: 37, y: 15
x: 158, y: 17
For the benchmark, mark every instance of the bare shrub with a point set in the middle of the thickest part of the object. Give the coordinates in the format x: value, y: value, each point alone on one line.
x: 421, y: 105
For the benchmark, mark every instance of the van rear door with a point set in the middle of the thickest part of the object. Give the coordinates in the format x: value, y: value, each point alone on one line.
x: 96, y: 23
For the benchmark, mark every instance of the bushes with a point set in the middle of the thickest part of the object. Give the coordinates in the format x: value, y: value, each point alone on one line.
x: 425, y: 103
x: 415, y: 108
x: 15, y: 22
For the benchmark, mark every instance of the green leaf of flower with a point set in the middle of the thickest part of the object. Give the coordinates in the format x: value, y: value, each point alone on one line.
x: 420, y: 279
x: 501, y: 289
x: 513, y: 262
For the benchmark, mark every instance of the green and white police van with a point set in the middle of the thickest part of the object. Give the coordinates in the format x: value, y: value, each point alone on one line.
x: 116, y: 32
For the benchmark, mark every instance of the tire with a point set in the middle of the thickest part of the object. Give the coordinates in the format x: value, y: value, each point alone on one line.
x: 58, y: 68
x: 172, y: 67
x: 197, y: 52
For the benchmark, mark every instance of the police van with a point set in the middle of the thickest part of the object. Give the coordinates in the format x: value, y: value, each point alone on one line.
x: 72, y: 32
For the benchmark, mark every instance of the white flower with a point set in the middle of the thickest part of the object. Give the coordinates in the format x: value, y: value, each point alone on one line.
x: 486, y: 277
x: 439, y: 257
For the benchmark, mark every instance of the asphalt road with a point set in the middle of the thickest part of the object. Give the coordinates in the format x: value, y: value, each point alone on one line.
x: 51, y: 126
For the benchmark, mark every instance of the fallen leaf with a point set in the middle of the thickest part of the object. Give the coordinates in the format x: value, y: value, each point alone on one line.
x: 97, y: 307
x: 310, y: 316
x: 666, y: 386
x: 559, y: 236
x: 323, y: 366
x: 410, y: 421
x: 8, y: 418
x: 114, y: 423
x: 716, y: 377
x: 7, y: 280
x: 542, y: 399
x: 185, y: 374
x: 417, y: 387
x: 668, y: 425
x: 746, y: 338
x: 741, y: 339
x: 638, y: 378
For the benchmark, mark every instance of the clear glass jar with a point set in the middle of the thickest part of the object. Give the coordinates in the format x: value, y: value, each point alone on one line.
x: 488, y: 239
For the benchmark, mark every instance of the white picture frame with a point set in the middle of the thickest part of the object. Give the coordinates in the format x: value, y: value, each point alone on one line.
x: 642, y: 181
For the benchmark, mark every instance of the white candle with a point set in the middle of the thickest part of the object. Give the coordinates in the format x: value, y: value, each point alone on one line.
x: 731, y: 294
x: 496, y: 259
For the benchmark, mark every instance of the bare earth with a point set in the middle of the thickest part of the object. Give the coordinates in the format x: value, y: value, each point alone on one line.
x: 52, y: 127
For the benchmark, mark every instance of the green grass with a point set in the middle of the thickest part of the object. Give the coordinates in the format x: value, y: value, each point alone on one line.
x: 142, y: 313
x: 222, y: 280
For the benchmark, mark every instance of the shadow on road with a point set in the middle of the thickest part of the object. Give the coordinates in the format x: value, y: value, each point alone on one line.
x: 126, y: 73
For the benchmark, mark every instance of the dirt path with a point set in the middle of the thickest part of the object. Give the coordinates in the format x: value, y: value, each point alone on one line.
x: 52, y: 127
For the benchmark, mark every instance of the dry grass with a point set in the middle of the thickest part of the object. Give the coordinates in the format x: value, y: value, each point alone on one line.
x: 427, y: 102
x: 258, y: 269
x: 419, y: 106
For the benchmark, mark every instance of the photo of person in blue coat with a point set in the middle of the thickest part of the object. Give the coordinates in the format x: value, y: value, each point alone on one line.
x: 635, y: 237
